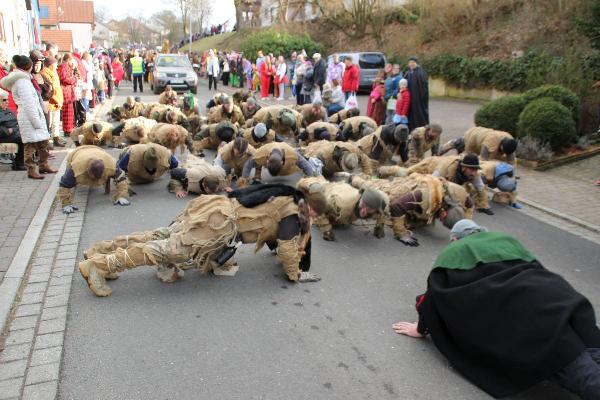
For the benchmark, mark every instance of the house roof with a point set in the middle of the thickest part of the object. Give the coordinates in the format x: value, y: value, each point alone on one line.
x: 62, y: 38
x: 76, y: 11
x: 52, y: 12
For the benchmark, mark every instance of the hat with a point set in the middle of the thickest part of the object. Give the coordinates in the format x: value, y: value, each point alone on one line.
x: 454, y: 214
x: 260, y: 130
x: 401, y: 133
x: 49, y: 61
x: 225, y: 131
x: 275, y: 162
x: 403, y: 82
x: 240, y: 144
x: 413, y: 58
x: 286, y: 117
x: 508, y: 145
x: 322, y: 133
x: 506, y: 184
x: 464, y: 228
x: 470, y: 161
x: 130, y: 100
x: 251, y: 101
x: 349, y: 161
x: 96, y: 169
x: 374, y: 199
x: 150, y: 158
x: 96, y: 127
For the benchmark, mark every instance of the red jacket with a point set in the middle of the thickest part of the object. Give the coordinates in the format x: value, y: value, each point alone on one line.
x: 351, y: 79
x: 403, y: 103
x: 67, y: 81
x: 12, y: 106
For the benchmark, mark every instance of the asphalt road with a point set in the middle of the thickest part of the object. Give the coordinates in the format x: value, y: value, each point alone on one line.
x: 258, y: 336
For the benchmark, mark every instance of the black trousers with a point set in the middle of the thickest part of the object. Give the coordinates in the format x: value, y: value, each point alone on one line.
x: 138, y: 80
x: 212, y: 80
x: 225, y: 76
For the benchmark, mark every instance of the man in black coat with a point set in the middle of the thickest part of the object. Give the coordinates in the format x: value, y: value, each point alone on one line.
x: 9, y: 131
x: 504, y: 321
x: 418, y: 86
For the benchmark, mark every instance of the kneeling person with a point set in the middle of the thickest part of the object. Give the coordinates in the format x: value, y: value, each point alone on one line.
x: 146, y: 162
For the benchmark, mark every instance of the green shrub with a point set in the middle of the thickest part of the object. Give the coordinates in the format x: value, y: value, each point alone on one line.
x: 558, y: 93
x: 501, y: 114
x: 271, y: 41
x: 547, y: 120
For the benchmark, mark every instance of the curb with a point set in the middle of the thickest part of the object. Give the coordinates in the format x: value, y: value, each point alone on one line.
x: 560, y: 215
x: 18, y: 267
x: 10, y: 285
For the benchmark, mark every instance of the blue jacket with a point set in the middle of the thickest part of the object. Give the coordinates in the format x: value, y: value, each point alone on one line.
x: 392, y: 86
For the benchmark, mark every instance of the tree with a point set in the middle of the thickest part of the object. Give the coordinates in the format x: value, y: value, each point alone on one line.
x: 170, y: 24
x: 201, y: 12
x: 102, y: 14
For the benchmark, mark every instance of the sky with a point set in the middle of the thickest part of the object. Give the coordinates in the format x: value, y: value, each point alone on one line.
x: 222, y: 10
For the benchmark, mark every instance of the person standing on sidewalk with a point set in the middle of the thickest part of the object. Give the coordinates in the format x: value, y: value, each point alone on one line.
x: 137, y: 68
x: 320, y: 71
x: 351, y: 78
x: 68, y: 80
x: 56, y: 101
x: 392, y: 87
x: 281, y: 78
x: 212, y: 69
x: 335, y: 70
x: 32, y: 123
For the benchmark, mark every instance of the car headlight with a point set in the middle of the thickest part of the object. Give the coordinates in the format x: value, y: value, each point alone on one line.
x: 162, y: 75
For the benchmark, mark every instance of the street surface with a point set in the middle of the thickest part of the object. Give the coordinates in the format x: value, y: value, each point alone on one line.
x: 258, y: 336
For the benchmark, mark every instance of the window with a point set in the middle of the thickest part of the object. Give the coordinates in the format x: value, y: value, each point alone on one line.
x: 2, y: 32
x: 371, y: 61
x: 44, y: 12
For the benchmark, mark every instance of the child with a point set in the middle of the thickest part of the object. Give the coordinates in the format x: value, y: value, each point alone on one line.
x: 402, y: 104
x: 376, y: 106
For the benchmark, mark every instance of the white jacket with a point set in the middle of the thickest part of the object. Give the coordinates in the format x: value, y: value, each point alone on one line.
x: 32, y: 123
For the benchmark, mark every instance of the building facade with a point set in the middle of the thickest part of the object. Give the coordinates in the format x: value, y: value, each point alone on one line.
x: 19, y: 26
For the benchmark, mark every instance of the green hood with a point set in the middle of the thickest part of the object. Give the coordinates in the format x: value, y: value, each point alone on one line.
x: 483, y: 247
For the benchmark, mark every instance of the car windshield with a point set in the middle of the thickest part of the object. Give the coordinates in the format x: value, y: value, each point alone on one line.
x: 169, y: 61
x: 371, y: 61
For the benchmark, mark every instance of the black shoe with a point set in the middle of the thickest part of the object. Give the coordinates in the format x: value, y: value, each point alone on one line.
x: 19, y: 168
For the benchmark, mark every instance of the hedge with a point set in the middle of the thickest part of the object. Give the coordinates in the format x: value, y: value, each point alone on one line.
x: 564, y: 96
x: 271, y: 41
x: 501, y: 114
x: 549, y: 121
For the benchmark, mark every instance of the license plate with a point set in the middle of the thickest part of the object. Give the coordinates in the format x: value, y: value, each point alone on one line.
x: 176, y: 80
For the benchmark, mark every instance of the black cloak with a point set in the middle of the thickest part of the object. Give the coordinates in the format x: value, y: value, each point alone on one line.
x: 506, y: 325
x: 418, y: 86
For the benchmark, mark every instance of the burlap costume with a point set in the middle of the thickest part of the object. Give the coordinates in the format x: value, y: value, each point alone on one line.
x: 326, y: 151
x: 446, y: 167
x: 342, y: 204
x: 418, y: 145
x: 268, y: 138
x: 207, y: 138
x: 136, y: 130
x: 261, y: 156
x: 170, y: 136
x: 353, y: 128
x: 131, y: 109
x: 135, y: 169
x: 485, y: 142
x: 169, y: 98
x: 79, y: 160
x: 91, y: 138
x: 340, y: 116
x: 270, y: 116
x: 249, y: 112
x: 235, y: 163
x: 308, y: 136
x: 309, y: 116
x: 488, y: 169
x: 196, y: 170
x: 218, y: 114
x: 367, y: 144
x: 198, y: 235
x: 433, y: 193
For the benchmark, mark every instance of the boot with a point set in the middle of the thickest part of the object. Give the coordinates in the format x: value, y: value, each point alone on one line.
x: 46, y: 169
x: 95, y: 278
x: 32, y: 173
x: 58, y: 143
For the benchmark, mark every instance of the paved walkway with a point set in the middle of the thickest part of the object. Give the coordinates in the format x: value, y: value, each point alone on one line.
x: 20, y: 198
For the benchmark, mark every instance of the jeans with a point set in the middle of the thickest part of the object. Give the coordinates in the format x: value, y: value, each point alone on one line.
x: 582, y: 376
x: 86, y: 104
x: 138, y: 80
x: 282, y: 90
x: 334, y: 108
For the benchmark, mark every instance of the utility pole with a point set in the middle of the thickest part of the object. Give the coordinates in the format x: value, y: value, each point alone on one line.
x: 190, y: 12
